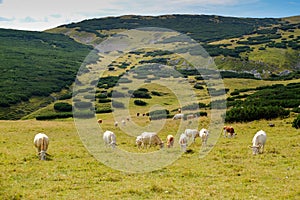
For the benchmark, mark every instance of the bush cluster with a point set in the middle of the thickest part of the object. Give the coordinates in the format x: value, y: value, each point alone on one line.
x: 251, y: 113
x: 296, y: 122
x: 62, y: 107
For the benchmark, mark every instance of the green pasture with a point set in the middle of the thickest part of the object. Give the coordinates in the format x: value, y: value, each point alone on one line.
x: 229, y: 171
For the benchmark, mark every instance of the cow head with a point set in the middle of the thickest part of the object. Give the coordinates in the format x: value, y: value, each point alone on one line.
x: 161, y: 145
x: 42, y: 155
x: 255, y: 149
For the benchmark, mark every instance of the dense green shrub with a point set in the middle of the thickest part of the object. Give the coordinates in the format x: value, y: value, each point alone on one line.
x: 116, y: 94
x: 104, y: 100
x: 139, y: 103
x: 66, y: 96
x: 54, y: 116
x: 250, y: 113
x: 101, y: 96
x: 159, y: 114
x: 141, y: 94
x: 194, y: 106
x: 83, y: 104
x: 116, y: 104
x: 63, y: 107
x: 155, y: 93
x: 198, y: 86
x: 296, y: 122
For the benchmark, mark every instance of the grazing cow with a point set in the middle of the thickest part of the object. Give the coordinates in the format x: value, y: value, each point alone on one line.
x: 123, y: 122
x: 178, y: 116
x: 139, y: 141
x: 170, y: 141
x: 228, y: 130
x: 204, y: 133
x: 41, y: 142
x: 109, y: 139
x: 191, y: 116
x: 116, y: 124
x: 258, y: 142
x: 149, y: 138
x: 179, y: 110
x: 137, y: 114
x: 100, y: 121
x: 271, y: 125
x: 183, y: 140
x: 191, y: 133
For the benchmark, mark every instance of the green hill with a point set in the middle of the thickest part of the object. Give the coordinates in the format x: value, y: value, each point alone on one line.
x: 39, y: 67
x: 269, y: 45
x: 33, y: 66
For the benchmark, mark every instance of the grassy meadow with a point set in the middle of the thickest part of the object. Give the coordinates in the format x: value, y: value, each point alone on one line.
x: 229, y: 171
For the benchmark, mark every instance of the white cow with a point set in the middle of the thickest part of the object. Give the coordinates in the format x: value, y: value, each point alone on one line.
x: 258, y: 142
x: 149, y: 138
x: 170, y: 141
x: 123, y: 122
x: 183, y: 141
x: 191, y: 133
x: 109, y: 139
x: 41, y: 142
x: 178, y: 116
x: 204, y: 133
x: 139, y: 141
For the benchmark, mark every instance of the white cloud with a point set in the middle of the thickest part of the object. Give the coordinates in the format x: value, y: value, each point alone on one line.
x: 44, y: 14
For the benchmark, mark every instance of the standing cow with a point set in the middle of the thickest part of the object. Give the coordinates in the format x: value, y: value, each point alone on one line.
x: 258, y: 142
x: 41, y: 142
x: 109, y: 139
x: 204, y: 133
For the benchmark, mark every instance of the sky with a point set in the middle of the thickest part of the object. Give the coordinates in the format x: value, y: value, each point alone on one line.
x: 39, y: 15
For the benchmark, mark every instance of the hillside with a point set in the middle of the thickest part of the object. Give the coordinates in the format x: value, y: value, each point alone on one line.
x: 42, y: 66
x: 257, y: 45
x: 33, y: 66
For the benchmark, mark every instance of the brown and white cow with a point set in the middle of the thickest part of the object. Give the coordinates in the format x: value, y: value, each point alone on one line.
x: 170, y: 141
x: 229, y: 131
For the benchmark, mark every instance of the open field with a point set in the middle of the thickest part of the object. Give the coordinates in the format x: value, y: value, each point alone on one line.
x: 229, y: 171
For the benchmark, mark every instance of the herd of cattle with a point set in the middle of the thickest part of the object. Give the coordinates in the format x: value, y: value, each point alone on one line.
x: 148, y: 139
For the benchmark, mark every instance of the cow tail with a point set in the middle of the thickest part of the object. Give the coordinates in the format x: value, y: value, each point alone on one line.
x: 43, y: 144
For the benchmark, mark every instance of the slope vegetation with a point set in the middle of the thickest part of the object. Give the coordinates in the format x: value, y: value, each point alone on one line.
x: 35, y: 64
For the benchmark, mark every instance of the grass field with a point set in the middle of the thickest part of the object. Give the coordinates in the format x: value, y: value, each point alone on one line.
x: 229, y: 171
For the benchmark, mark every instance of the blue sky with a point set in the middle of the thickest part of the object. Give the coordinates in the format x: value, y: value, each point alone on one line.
x: 45, y: 14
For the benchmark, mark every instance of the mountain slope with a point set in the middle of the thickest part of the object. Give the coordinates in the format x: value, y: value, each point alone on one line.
x: 267, y: 45
x: 35, y: 64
